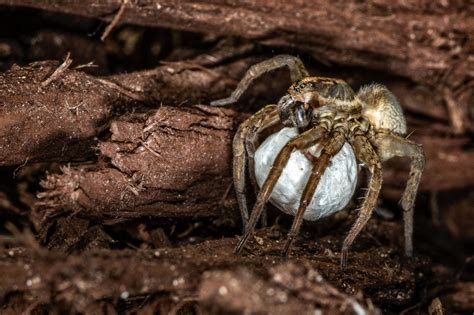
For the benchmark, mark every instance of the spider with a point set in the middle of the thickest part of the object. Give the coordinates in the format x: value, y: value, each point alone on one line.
x: 327, y: 112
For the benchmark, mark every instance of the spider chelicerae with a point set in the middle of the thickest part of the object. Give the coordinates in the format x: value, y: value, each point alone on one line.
x: 326, y: 112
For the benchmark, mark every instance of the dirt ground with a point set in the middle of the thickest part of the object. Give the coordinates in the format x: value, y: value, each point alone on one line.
x: 116, y: 188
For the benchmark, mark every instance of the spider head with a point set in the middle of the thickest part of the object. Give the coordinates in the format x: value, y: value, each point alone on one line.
x: 305, y: 96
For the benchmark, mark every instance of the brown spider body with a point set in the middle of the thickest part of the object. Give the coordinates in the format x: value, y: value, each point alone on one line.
x: 327, y: 112
x: 332, y: 101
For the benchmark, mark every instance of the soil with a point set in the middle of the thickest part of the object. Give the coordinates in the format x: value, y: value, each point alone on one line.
x: 115, y: 173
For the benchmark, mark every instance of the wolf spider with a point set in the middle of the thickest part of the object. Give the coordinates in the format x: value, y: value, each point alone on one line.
x: 327, y: 112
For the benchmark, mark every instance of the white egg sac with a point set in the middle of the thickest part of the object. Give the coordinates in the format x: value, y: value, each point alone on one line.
x: 334, y: 190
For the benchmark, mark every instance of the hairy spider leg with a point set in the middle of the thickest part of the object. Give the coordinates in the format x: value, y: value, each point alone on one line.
x: 294, y: 64
x: 365, y: 153
x: 244, y: 148
x: 301, y: 141
x: 251, y: 143
x: 388, y: 146
x: 330, y: 148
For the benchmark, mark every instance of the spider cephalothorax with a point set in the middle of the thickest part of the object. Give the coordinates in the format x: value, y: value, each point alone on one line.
x: 327, y: 112
x: 307, y: 95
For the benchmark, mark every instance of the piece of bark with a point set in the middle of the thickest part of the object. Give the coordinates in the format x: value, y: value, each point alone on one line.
x: 428, y: 42
x: 291, y: 289
x: 173, y: 162
x: 45, y: 118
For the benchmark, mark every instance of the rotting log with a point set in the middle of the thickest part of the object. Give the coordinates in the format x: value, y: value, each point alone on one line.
x: 51, y: 113
x: 67, y: 119
x: 172, y: 162
x: 429, y: 42
x: 176, y: 162
x: 61, y: 120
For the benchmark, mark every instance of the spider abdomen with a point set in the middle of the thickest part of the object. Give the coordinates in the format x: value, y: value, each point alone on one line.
x: 382, y: 109
x: 335, y: 189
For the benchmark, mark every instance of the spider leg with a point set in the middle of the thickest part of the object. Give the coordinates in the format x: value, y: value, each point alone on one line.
x: 251, y: 139
x: 248, y: 131
x: 365, y: 153
x: 388, y: 146
x: 297, y: 72
x: 330, y: 148
x: 301, y: 141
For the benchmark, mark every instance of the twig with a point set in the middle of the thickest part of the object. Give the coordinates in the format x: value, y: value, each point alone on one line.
x: 122, y: 90
x: 226, y: 194
x: 20, y: 167
x: 114, y: 21
x: 59, y: 71
x: 151, y: 150
x: 185, y: 65
x: 90, y: 64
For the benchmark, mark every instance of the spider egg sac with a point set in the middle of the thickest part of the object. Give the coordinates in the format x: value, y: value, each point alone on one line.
x: 335, y: 188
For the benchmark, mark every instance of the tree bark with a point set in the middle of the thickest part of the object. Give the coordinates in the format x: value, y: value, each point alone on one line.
x: 429, y: 42
x: 58, y: 117
x: 173, y: 162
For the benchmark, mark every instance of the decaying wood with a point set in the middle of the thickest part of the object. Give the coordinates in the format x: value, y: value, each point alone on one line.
x: 45, y: 122
x: 184, y: 173
x: 411, y: 39
x: 209, y: 275
x: 174, y: 162
x: 60, y: 120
